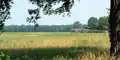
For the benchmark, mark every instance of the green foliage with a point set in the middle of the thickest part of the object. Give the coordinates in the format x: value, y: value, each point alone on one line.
x: 100, y: 24
x: 43, y: 28
x: 79, y: 53
x: 5, y: 6
x: 47, y: 6
x: 38, y: 28
x: 34, y: 15
x: 17, y: 59
x: 77, y: 24
x: 7, y: 58
x: 92, y: 22
x: 103, y: 23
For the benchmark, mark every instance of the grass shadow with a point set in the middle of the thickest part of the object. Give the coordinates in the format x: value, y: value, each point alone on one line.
x: 49, y: 53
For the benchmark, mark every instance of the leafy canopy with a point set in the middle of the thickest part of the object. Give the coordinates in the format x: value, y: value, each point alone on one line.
x: 47, y: 6
x: 5, y: 6
x: 43, y: 5
x: 92, y: 22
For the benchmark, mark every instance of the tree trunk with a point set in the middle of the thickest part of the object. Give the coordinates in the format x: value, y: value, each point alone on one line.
x: 114, y: 22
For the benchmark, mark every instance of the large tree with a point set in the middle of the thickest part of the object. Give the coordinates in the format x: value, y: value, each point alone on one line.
x: 47, y: 7
x: 114, y: 28
x: 103, y: 23
x: 92, y: 23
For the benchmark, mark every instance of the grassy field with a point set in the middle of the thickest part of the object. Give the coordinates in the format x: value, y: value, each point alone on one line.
x: 54, y: 46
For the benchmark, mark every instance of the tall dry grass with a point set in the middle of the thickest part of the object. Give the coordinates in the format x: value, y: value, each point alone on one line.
x: 56, y: 46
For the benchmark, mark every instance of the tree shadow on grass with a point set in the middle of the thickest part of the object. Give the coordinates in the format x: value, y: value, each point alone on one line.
x: 49, y: 53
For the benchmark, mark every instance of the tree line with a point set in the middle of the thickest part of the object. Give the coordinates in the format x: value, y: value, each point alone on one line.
x: 99, y: 24
x: 64, y: 9
x: 93, y: 23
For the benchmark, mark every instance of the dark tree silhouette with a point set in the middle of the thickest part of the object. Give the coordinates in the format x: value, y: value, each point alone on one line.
x: 47, y: 7
x: 114, y: 28
x: 5, y: 6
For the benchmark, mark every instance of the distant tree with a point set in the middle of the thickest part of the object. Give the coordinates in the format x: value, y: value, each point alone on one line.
x: 103, y: 23
x: 85, y: 26
x: 77, y: 24
x: 40, y: 28
x: 92, y: 23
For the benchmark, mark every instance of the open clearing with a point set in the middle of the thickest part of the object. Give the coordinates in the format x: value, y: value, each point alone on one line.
x: 55, y: 45
x: 43, y: 40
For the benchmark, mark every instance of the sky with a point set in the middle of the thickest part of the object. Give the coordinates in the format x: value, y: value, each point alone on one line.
x: 81, y: 11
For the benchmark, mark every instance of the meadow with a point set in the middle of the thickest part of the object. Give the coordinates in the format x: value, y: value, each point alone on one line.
x: 54, y: 46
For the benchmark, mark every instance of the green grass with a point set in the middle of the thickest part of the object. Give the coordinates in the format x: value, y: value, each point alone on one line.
x: 54, y: 46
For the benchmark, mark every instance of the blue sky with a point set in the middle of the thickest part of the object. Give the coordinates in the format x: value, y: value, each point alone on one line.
x: 81, y: 11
